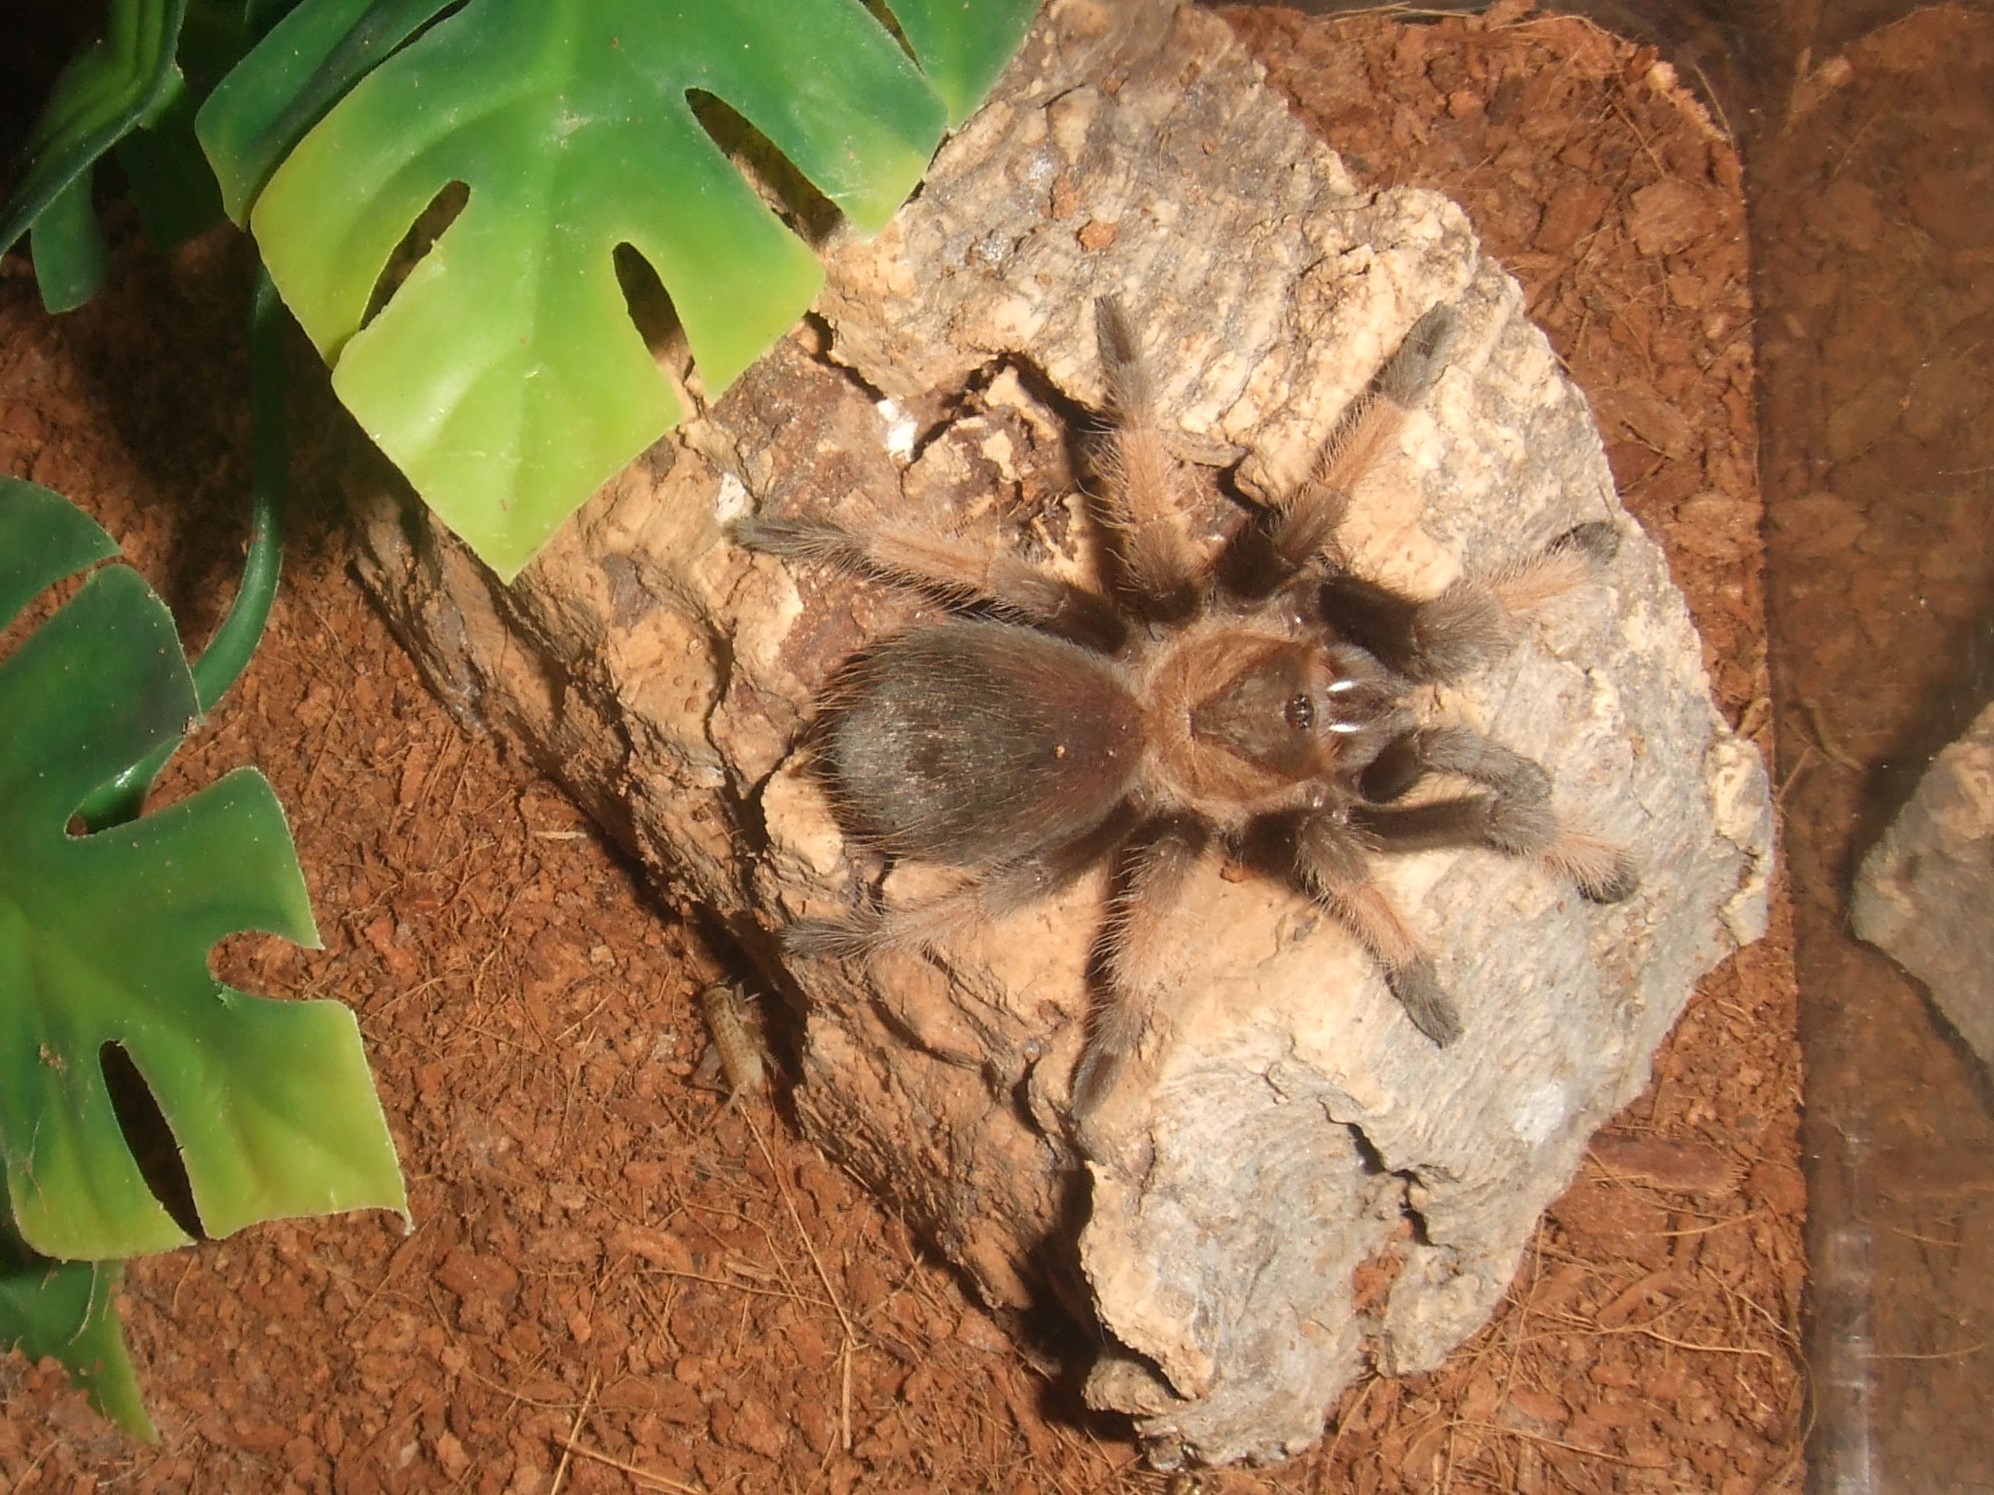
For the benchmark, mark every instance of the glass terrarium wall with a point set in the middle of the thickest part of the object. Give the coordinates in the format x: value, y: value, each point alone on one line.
x: 1867, y: 128
x: 1871, y: 173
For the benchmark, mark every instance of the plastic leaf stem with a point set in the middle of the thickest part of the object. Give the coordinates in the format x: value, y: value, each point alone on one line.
x: 228, y: 653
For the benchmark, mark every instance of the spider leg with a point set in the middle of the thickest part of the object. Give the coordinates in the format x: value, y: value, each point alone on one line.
x: 1331, y: 862
x: 1285, y: 538
x: 987, y: 894
x: 1141, y: 500
x: 1151, y: 878
x: 1514, y: 817
x: 1473, y: 621
x: 952, y: 573
x: 1567, y: 563
x: 1277, y: 544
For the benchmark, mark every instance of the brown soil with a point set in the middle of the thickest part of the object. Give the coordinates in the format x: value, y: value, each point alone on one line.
x: 613, y: 1270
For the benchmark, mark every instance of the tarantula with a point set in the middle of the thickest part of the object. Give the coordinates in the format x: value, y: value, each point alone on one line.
x: 1259, y: 700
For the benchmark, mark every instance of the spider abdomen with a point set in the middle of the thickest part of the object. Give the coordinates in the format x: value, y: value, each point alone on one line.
x: 976, y: 743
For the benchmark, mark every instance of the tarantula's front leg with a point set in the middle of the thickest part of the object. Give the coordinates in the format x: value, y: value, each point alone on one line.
x: 952, y: 573
x: 1150, y: 881
x: 1445, y: 637
x: 1141, y: 502
x: 1292, y: 533
x: 1515, y: 816
x: 1330, y: 859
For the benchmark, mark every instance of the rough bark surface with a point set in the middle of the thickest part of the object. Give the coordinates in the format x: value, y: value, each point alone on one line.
x: 1299, y: 1127
x: 1924, y: 890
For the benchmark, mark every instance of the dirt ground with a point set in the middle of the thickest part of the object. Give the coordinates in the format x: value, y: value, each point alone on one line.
x: 617, y: 1281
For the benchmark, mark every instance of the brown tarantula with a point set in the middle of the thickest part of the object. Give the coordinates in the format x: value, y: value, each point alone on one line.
x: 1259, y: 700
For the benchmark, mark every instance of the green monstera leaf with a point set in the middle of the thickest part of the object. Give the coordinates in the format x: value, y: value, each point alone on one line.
x: 504, y: 376
x: 132, y: 93
x: 104, y: 94
x: 104, y: 941
x: 67, y: 1309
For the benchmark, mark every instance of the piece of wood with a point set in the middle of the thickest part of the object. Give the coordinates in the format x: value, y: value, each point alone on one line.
x: 1298, y: 1119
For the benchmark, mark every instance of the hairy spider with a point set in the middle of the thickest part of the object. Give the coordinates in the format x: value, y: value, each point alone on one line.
x: 1261, y: 700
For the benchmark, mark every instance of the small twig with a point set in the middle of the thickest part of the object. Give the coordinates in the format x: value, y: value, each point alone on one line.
x: 642, y: 1476
x: 1959, y: 1354
x: 1713, y: 1225
x: 1780, y: 1329
x: 823, y: 1276
x: 742, y: 1287
x: 1831, y: 748
x: 1808, y: 753
x: 511, y: 1393
x: 1578, y: 1448
x: 574, y: 1431
x: 613, y: 993
x: 1343, y: 1422
x: 1683, y: 1344
x: 1923, y: 1240
x: 37, y: 1462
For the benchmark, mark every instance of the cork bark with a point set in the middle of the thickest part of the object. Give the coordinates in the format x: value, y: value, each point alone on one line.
x: 1298, y: 1126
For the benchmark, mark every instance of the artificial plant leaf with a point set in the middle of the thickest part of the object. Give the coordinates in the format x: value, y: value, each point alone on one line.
x: 504, y: 376
x: 219, y: 33
x: 316, y: 53
x: 66, y: 1309
x: 167, y: 176
x: 70, y: 256
x: 49, y: 538
x: 104, y: 940
x: 963, y: 47
x: 100, y: 96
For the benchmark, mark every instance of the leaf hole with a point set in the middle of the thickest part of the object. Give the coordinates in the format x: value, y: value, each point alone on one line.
x: 787, y: 191
x: 57, y: 595
x: 149, y: 1137
x: 882, y: 13
x: 429, y: 226
x: 651, y: 309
